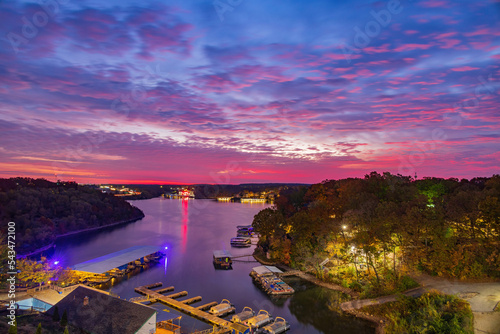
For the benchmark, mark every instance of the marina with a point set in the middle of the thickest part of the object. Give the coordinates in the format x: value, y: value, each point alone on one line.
x: 183, y: 306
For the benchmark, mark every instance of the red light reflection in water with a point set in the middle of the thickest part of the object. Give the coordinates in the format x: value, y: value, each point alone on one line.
x: 185, y: 220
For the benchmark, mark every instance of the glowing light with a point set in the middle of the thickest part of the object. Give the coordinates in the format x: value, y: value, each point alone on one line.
x: 344, y: 226
x: 166, y: 247
x: 56, y: 262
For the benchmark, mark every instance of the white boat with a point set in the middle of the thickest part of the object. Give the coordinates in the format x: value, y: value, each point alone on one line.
x: 244, y: 227
x: 241, y: 242
x: 279, y: 325
x: 225, y: 307
x: 261, y: 319
x: 247, y: 313
x: 246, y: 230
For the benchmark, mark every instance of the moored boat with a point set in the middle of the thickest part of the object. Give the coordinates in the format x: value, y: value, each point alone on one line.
x: 279, y: 325
x: 261, y: 319
x: 245, y: 231
x: 224, y: 308
x: 247, y: 313
x: 241, y: 242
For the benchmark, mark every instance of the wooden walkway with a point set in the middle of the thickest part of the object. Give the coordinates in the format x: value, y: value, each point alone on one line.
x: 196, y: 312
x: 289, y: 273
x: 359, y: 303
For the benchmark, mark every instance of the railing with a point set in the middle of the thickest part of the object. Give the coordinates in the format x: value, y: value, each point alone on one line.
x: 212, y: 331
x: 52, y: 287
x: 167, y: 325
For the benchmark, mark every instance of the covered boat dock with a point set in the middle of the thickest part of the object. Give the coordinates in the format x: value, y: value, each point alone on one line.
x: 118, y: 260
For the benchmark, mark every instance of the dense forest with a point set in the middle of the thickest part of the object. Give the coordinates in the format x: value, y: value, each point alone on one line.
x: 43, y: 210
x: 386, y: 223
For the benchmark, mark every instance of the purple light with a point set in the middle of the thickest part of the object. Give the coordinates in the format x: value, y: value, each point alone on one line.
x: 56, y: 262
x: 166, y: 247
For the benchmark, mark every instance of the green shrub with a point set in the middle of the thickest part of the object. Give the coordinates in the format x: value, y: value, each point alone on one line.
x: 55, y: 315
x: 355, y: 286
x: 432, y: 312
x: 13, y: 329
x: 406, y: 283
x: 64, y: 319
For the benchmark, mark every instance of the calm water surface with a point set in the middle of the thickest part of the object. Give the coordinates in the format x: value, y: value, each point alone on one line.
x: 192, y: 229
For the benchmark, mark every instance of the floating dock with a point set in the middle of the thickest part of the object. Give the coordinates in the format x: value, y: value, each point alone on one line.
x: 267, y: 278
x: 196, y: 312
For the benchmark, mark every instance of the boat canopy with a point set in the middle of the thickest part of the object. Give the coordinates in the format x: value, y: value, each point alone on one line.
x: 263, y: 270
x: 221, y: 253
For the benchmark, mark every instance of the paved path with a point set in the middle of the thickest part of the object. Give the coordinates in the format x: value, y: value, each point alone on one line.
x: 482, y: 297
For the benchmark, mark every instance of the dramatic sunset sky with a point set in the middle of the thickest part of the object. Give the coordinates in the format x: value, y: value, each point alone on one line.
x: 234, y: 91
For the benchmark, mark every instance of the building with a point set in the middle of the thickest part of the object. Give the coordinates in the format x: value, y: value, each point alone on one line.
x: 97, y: 312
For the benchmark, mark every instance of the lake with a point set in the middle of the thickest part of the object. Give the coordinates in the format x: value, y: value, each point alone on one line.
x: 192, y: 229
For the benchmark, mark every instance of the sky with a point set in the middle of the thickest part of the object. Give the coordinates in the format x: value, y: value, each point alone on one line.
x: 238, y: 91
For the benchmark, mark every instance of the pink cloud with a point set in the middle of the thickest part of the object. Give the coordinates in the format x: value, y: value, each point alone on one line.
x: 449, y: 43
x: 434, y: 4
x: 411, y: 47
x: 375, y: 49
x: 464, y: 69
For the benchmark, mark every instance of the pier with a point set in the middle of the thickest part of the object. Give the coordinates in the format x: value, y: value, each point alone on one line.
x: 225, y: 326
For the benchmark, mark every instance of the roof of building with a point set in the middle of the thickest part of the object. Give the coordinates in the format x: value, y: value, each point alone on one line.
x: 221, y: 253
x: 107, y: 262
x: 104, y: 314
x: 262, y: 270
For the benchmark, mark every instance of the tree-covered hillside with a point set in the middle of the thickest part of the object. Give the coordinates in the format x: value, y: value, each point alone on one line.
x: 385, y: 223
x: 43, y: 210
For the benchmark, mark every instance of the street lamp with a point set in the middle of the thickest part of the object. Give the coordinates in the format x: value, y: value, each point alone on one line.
x: 344, y: 227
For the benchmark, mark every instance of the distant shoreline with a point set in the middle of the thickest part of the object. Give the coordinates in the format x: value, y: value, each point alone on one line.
x: 60, y: 236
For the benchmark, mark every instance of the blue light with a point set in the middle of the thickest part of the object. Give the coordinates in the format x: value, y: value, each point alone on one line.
x: 166, y: 247
x: 56, y: 262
